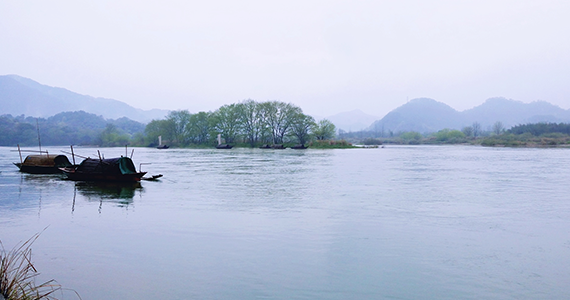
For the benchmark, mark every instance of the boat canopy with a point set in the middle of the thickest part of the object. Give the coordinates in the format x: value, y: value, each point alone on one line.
x: 47, y: 161
x: 119, y: 165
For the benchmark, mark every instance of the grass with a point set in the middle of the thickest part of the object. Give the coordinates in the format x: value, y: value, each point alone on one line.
x: 18, y: 274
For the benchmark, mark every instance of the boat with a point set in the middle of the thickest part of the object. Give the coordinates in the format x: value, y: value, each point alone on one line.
x: 299, y: 146
x: 274, y: 146
x: 120, y: 169
x: 222, y: 146
x: 43, y: 164
x: 160, y: 145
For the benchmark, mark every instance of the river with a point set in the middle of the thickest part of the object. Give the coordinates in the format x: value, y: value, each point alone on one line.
x: 400, y: 222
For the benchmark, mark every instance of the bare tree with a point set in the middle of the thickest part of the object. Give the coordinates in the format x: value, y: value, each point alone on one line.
x: 498, y: 127
x: 476, y: 129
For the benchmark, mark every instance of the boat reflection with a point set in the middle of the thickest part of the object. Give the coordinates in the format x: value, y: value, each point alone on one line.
x: 119, y: 193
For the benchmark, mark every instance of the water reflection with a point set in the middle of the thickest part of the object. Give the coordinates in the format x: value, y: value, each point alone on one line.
x: 121, y: 194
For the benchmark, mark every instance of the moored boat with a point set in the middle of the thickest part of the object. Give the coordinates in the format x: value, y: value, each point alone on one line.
x: 43, y: 164
x: 120, y: 169
x: 299, y: 146
x: 224, y: 146
x: 160, y: 145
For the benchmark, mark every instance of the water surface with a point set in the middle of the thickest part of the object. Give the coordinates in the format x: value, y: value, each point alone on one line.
x: 420, y: 222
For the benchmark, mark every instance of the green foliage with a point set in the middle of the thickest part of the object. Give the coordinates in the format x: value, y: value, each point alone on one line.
x: 411, y: 135
x: 301, y: 127
x: 450, y: 136
x: 227, y: 122
x: 372, y: 141
x: 330, y: 144
x: 538, y: 129
x: 112, y: 137
x: 324, y: 130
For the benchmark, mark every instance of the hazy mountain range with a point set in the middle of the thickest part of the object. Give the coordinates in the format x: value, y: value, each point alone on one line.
x: 427, y: 115
x: 19, y: 95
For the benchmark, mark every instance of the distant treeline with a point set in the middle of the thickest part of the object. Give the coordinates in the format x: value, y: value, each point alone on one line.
x: 69, y: 128
x: 537, y: 134
x: 541, y: 128
x: 249, y: 123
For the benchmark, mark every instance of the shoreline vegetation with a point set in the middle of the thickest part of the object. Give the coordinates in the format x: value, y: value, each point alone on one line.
x: 539, y: 135
x: 18, y: 275
x: 253, y: 124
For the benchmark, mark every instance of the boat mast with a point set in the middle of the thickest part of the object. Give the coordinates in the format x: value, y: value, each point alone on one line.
x: 39, y: 141
x: 20, y: 152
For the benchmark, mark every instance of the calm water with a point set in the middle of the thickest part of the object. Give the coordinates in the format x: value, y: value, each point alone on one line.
x: 395, y: 223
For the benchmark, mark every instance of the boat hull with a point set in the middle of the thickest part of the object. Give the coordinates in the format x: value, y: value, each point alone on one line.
x: 81, y: 176
x: 38, y: 169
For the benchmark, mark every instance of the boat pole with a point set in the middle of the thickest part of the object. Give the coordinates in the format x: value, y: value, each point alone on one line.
x: 132, y: 152
x: 72, y: 154
x: 39, y: 141
x: 20, y: 154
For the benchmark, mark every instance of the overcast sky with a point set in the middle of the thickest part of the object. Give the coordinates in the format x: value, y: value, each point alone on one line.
x: 324, y: 56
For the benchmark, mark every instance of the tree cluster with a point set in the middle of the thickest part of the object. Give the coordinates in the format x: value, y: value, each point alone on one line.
x: 247, y: 122
x: 68, y: 128
x: 538, y: 129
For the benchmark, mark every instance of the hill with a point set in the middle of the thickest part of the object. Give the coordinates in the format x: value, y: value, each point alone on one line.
x: 67, y: 128
x: 23, y: 96
x: 355, y: 120
x: 427, y: 115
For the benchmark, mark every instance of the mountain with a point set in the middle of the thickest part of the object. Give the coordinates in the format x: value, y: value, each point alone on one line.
x: 511, y: 113
x: 427, y: 115
x: 421, y: 115
x: 19, y: 95
x: 355, y: 120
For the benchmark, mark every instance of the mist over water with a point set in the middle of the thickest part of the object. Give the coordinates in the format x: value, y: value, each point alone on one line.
x: 417, y: 222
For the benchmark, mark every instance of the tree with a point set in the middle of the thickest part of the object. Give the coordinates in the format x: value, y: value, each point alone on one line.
x: 447, y: 135
x: 251, y: 117
x: 467, y: 130
x: 112, y: 137
x: 156, y: 128
x: 411, y: 135
x: 200, y: 127
x: 227, y: 122
x: 498, y: 127
x: 301, y: 126
x: 180, y: 122
x: 278, y: 117
x: 324, y: 130
x: 476, y: 129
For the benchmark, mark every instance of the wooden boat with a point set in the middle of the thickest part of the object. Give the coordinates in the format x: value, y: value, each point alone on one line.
x: 160, y: 145
x: 278, y: 146
x: 299, y: 146
x: 265, y: 146
x: 43, y: 164
x: 120, y: 169
x: 224, y: 146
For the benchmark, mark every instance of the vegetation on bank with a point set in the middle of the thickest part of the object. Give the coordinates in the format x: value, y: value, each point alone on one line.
x: 18, y: 274
x: 253, y: 124
x: 247, y: 123
x: 527, y: 135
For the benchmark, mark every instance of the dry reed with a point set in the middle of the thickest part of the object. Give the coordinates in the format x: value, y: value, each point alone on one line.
x: 18, y: 275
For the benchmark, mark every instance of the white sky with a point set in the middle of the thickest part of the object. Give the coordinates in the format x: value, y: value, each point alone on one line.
x: 324, y: 56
